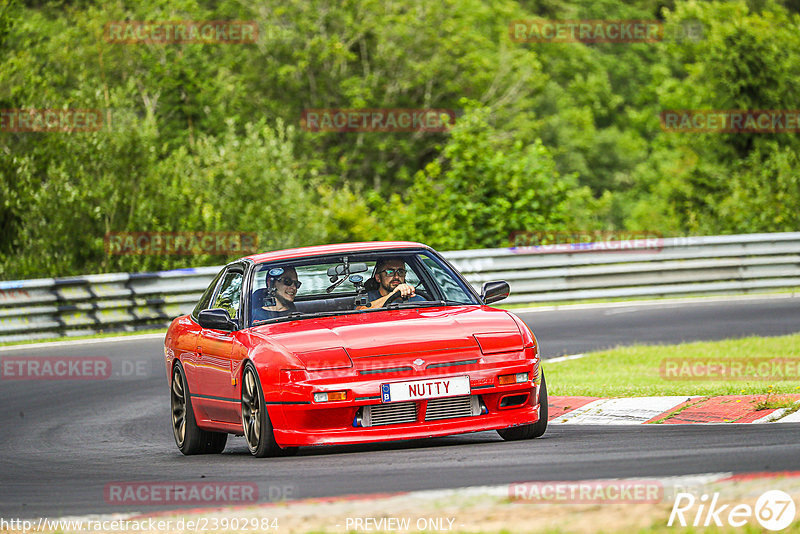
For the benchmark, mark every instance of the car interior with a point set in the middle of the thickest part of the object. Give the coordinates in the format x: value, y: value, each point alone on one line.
x: 335, y: 286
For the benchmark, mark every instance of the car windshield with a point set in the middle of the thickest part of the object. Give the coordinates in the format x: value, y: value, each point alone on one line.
x: 357, y: 283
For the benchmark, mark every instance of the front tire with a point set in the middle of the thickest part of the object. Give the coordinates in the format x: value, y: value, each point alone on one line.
x: 189, y: 438
x: 255, y: 420
x: 534, y: 430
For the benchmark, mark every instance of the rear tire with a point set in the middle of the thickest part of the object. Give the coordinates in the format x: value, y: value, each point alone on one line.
x: 216, y: 442
x: 534, y: 430
x: 255, y: 420
x: 189, y: 438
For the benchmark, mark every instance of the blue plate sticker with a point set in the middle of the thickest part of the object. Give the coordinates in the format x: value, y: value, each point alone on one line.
x: 385, y: 396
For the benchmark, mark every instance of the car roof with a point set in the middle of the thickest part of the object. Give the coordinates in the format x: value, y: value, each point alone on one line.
x: 339, y: 248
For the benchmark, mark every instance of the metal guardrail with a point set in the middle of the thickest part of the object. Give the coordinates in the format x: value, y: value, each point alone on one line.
x: 680, y: 266
x: 49, y: 307
x: 43, y: 308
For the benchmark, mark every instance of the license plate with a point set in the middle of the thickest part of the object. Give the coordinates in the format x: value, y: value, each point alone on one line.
x: 429, y: 388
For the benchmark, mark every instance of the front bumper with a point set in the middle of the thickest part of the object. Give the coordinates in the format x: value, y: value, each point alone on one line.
x: 305, y: 422
x: 332, y: 436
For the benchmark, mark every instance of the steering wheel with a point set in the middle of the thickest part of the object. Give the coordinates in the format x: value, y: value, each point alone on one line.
x: 398, y: 296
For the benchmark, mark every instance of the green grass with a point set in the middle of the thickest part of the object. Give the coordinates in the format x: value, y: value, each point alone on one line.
x: 772, y: 401
x: 636, y: 371
x: 88, y: 336
x: 675, y: 412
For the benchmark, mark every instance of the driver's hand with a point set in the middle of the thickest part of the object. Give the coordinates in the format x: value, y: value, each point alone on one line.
x: 406, y: 290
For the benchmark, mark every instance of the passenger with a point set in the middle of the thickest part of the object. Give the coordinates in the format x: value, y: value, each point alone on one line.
x: 390, y: 278
x: 286, y: 286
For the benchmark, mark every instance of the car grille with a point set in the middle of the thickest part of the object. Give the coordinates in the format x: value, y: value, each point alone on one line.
x: 406, y: 412
x: 389, y: 414
x: 451, y: 364
x: 452, y: 407
x: 387, y: 370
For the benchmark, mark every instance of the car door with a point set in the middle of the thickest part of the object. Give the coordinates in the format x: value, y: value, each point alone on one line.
x: 185, y: 347
x: 217, y: 392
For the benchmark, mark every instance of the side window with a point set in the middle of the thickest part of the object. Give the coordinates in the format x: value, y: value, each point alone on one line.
x: 450, y: 285
x: 203, y: 304
x: 411, y: 275
x: 229, y: 296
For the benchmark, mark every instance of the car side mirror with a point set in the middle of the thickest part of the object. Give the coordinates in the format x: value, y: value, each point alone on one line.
x: 494, y: 291
x: 216, y: 319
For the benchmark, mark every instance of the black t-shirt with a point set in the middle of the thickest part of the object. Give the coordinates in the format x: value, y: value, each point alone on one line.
x: 260, y: 314
x: 376, y: 294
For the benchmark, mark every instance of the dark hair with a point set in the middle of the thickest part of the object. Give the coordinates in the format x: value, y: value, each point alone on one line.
x: 287, y: 268
x: 290, y: 306
x: 381, y: 263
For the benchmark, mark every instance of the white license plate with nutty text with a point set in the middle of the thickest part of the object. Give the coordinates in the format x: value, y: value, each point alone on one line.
x: 430, y: 388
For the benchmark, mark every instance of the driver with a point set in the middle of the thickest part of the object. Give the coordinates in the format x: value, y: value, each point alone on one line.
x: 390, y: 275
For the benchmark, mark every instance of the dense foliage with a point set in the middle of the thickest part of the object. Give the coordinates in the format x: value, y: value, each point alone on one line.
x: 549, y: 136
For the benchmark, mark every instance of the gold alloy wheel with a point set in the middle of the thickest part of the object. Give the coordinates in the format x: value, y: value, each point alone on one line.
x: 251, y: 410
x: 178, y: 404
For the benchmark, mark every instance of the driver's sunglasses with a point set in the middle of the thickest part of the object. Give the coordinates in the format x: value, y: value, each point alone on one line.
x: 392, y: 272
x: 288, y: 282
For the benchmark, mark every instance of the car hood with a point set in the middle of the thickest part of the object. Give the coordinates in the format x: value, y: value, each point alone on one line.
x: 392, y: 332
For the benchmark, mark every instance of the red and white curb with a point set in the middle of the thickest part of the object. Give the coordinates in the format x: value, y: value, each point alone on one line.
x: 623, y: 411
x: 663, y: 410
x: 666, y: 410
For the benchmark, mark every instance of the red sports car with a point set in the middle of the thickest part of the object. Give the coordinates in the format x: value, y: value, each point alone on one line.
x: 349, y: 343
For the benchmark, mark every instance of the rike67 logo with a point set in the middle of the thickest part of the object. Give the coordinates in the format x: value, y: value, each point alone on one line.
x: 774, y: 510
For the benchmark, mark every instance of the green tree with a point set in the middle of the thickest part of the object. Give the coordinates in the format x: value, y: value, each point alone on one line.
x: 745, y: 61
x: 483, y: 188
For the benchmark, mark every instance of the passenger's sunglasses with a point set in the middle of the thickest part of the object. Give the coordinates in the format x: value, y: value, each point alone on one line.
x: 392, y: 272
x: 288, y: 282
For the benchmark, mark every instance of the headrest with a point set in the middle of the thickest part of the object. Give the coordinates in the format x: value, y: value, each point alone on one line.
x: 371, y: 285
x: 258, y: 297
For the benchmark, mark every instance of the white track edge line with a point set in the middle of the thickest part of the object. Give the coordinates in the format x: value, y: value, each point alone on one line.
x: 90, y: 341
x: 563, y: 358
x: 661, y: 302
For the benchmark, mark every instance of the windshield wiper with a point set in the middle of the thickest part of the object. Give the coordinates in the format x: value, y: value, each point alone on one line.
x: 301, y: 315
x: 393, y: 306
x: 280, y: 319
x: 330, y: 313
x: 417, y: 304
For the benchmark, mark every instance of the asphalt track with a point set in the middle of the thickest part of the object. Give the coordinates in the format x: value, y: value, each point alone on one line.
x: 63, y: 442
